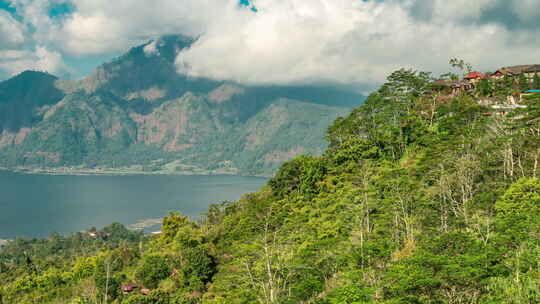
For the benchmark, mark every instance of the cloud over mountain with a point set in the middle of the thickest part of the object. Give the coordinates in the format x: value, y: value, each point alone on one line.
x: 40, y: 59
x: 296, y: 41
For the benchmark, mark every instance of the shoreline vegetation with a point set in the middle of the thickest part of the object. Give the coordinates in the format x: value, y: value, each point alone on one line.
x: 121, y: 171
x: 143, y: 225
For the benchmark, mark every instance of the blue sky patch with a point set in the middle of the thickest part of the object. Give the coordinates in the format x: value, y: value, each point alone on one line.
x: 60, y: 10
x: 248, y: 4
x: 5, y: 6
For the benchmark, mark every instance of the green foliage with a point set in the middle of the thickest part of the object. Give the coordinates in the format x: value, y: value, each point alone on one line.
x: 405, y: 83
x: 351, y: 294
x: 457, y: 272
x: 521, y: 286
x: 152, y: 270
x: 197, y: 268
x: 529, y: 115
x: 484, y: 87
x: 523, y: 82
x: 519, y: 210
x: 461, y: 65
x: 300, y: 175
x: 155, y: 297
x: 307, y: 283
x: 522, y: 200
x: 106, y: 277
x: 118, y: 232
x: 536, y: 82
x: 137, y: 299
x: 173, y: 223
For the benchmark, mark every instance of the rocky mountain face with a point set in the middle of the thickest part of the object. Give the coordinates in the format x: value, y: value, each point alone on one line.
x: 139, y: 114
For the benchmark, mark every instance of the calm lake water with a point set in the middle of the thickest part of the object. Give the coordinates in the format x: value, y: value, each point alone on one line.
x: 37, y: 205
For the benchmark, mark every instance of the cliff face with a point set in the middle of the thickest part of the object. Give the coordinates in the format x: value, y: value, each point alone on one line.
x: 138, y: 112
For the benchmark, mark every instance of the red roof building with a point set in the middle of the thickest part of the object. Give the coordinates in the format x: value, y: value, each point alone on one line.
x: 498, y: 74
x: 474, y: 75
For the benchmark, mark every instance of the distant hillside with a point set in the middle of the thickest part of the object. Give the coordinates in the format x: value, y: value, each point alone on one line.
x: 137, y: 114
x: 24, y: 96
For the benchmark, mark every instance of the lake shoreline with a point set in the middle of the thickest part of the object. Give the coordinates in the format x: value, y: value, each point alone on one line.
x: 63, y: 171
x: 147, y: 226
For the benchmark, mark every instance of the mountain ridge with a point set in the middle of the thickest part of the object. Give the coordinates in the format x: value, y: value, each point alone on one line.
x: 137, y: 114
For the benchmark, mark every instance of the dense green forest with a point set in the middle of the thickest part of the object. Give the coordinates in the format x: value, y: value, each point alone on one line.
x: 421, y: 197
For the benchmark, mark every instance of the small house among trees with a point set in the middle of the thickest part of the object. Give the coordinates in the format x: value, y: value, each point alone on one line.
x: 99, y: 234
x: 474, y: 76
x: 516, y: 70
x: 498, y: 74
x: 131, y: 287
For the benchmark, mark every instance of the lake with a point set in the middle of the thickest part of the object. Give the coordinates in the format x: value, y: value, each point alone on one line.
x: 37, y: 205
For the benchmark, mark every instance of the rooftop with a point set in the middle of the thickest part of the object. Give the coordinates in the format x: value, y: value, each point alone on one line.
x: 130, y: 287
x: 532, y: 69
x: 517, y: 69
x: 474, y: 75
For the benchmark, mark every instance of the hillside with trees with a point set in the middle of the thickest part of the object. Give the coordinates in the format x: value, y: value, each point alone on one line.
x: 422, y: 196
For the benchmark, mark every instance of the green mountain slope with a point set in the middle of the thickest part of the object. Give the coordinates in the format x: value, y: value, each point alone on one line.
x: 421, y: 197
x: 24, y: 96
x: 136, y: 113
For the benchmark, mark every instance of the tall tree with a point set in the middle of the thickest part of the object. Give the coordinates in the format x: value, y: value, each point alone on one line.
x: 461, y: 65
x: 523, y: 82
x: 536, y: 82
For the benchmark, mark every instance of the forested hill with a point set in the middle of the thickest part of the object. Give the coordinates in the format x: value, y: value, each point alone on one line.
x: 421, y: 197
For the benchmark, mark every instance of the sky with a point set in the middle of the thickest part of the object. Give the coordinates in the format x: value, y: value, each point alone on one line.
x: 269, y: 42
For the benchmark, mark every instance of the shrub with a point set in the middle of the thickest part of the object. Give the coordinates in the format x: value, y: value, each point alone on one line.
x: 153, y: 269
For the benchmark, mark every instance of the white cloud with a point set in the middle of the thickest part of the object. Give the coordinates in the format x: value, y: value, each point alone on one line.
x: 151, y: 49
x: 50, y: 61
x: 347, y: 41
x: 353, y: 42
x: 102, y: 26
x: 299, y: 41
x: 40, y: 59
x: 11, y: 31
x: 527, y: 10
